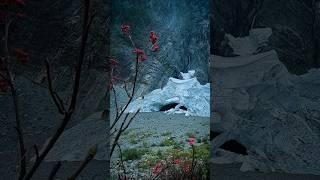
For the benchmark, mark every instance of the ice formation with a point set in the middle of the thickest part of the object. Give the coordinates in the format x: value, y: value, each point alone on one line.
x: 186, y: 95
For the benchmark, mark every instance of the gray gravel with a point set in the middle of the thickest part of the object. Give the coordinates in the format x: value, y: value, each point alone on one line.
x: 232, y: 172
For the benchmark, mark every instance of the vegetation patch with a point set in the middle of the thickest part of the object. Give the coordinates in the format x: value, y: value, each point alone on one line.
x: 133, y: 154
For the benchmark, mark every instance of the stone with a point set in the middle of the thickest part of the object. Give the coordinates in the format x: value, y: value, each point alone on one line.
x: 272, y: 113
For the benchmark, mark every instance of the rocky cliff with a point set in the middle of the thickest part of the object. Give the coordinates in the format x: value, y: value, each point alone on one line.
x: 295, y: 26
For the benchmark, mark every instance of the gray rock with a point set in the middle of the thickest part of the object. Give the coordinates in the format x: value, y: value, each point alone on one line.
x: 295, y: 27
x: 269, y: 111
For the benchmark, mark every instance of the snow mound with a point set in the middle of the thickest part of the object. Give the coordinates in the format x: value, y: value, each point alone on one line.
x: 185, y: 95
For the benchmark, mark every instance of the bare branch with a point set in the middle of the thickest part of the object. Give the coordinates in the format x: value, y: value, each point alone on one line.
x: 131, y: 119
x: 86, y: 26
x: 67, y: 115
x: 54, y: 171
x: 132, y: 94
x: 121, y: 160
x: 92, y: 152
x: 10, y: 80
x: 56, y: 98
x: 115, y: 101
x: 36, y: 151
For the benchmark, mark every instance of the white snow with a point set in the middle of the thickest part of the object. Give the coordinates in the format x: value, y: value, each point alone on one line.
x: 186, y: 92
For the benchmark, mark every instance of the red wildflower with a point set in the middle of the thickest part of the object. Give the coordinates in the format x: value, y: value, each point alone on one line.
x: 153, y: 37
x: 155, y: 48
x: 177, y: 161
x: 125, y: 29
x: 186, y: 168
x: 157, y: 169
x: 191, y: 141
x: 4, y: 85
x: 21, y: 55
x: 141, y: 55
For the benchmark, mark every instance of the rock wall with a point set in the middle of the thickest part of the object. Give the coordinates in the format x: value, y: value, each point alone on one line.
x: 182, y: 28
x: 51, y: 30
x: 295, y: 26
x: 272, y: 113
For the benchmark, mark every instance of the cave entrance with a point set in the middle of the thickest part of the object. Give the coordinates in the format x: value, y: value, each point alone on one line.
x: 214, y: 134
x: 234, y: 146
x: 171, y: 106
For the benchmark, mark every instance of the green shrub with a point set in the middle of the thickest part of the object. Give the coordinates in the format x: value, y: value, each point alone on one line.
x: 133, y: 154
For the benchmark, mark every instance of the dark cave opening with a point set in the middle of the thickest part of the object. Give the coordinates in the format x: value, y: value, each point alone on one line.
x: 214, y: 134
x: 234, y: 146
x: 172, y: 106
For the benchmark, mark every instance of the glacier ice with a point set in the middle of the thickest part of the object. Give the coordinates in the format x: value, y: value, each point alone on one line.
x: 186, y: 92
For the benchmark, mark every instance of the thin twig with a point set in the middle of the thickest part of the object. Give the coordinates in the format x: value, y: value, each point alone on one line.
x: 132, y: 93
x: 115, y: 101
x: 131, y: 119
x: 122, y: 129
x: 90, y: 155
x: 67, y: 115
x: 86, y: 26
x: 36, y: 151
x: 10, y: 80
x: 54, y: 171
x: 121, y: 160
x: 56, y: 98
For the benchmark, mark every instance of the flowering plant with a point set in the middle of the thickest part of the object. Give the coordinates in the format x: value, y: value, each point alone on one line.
x: 119, y: 124
x: 184, y: 165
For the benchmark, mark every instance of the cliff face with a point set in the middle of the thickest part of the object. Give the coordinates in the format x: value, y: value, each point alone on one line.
x: 51, y: 30
x: 263, y: 69
x: 295, y: 27
x: 272, y: 113
x: 182, y: 28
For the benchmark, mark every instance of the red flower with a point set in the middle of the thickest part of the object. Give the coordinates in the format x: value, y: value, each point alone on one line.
x: 191, y: 141
x: 157, y: 168
x: 155, y: 48
x: 177, y: 161
x: 125, y: 29
x: 141, y: 55
x: 4, y: 85
x: 21, y: 55
x: 186, y: 168
x: 153, y: 37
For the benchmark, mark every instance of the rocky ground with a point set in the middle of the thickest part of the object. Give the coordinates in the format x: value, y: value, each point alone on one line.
x: 232, y: 172
x: 152, y: 134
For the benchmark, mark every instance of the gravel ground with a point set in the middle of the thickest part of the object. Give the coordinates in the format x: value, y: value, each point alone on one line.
x: 232, y: 172
x: 151, y: 130
x: 176, y: 126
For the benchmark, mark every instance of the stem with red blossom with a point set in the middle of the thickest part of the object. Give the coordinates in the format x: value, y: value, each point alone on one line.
x: 119, y: 115
x: 193, y: 161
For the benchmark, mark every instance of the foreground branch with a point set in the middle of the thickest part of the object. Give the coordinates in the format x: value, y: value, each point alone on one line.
x: 68, y: 114
x: 91, y: 154
x: 10, y: 79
